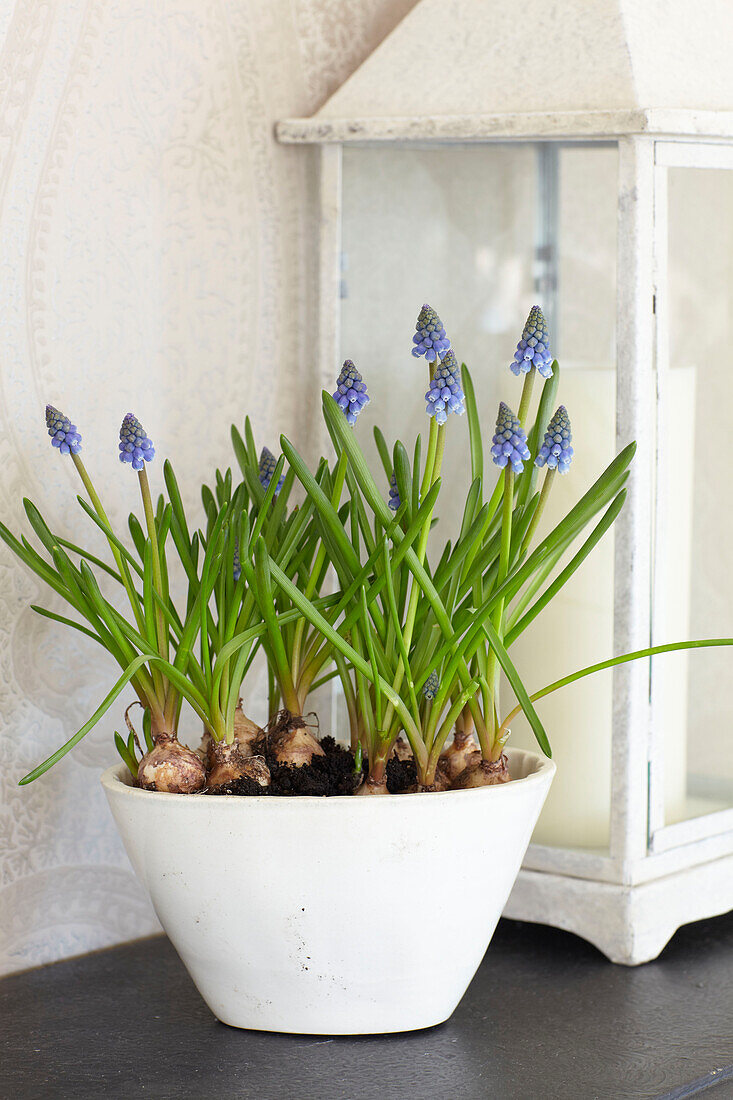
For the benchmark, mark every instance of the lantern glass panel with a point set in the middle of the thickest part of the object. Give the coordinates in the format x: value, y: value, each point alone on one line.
x: 694, y: 692
x: 482, y: 232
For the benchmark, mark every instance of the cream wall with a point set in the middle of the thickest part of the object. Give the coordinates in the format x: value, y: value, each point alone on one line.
x: 156, y: 249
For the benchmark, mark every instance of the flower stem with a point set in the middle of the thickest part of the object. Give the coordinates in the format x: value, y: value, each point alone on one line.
x: 526, y: 396
x: 504, y: 552
x: 433, y: 463
x: 350, y: 698
x: 120, y: 561
x: 506, y: 536
x: 162, y: 630
x: 544, y: 494
x: 338, y: 485
x: 428, y: 478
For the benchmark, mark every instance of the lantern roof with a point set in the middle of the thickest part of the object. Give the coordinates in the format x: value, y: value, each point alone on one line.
x: 482, y: 69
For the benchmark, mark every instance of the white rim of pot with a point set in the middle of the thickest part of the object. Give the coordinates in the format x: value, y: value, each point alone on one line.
x: 112, y: 780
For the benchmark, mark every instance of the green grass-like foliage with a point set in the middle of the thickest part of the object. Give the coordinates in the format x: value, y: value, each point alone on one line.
x: 338, y: 585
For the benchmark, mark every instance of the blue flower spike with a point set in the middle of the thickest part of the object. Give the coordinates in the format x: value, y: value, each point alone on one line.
x: 430, y: 339
x: 268, y: 462
x: 63, y: 433
x: 351, y: 393
x: 431, y: 685
x: 445, y: 394
x: 135, y: 447
x: 394, y: 494
x: 509, y: 442
x: 533, y: 350
x: 556, y: 452
x: 236, y: 564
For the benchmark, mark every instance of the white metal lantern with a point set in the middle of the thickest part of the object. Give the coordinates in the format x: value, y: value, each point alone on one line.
x: 581, y: 157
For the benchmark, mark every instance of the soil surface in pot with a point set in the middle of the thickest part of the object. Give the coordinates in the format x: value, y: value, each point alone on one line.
x: 330, y: 774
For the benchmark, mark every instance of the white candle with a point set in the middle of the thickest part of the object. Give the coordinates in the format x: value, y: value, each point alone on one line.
x: 576, y: 629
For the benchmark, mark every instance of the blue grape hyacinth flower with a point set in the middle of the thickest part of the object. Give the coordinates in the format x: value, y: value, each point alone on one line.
x: 236, y: 564
x: 445, y: 394
x: 430, y: 339
x: 509, y: 441
x: 351, y: 393
x: 63, y: 433
x: 556, y: 452
x: 268, y: 462
x: 533, y: 350
x: 394, y: 494
x: 135, y: 447
x: 431, y: 685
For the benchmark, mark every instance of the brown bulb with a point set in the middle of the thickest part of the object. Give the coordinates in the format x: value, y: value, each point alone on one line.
x: 401, y: 749
x: 373, y: 786
x: 171, y: 767
x: 230, y: 763
x: 246, y: 733
x: 483, y: 773
x: 290, y: 741
x: 441, y: 782
x: 460, y: 753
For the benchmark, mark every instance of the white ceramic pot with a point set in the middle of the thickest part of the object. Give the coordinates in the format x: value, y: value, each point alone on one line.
x: 332, y: 916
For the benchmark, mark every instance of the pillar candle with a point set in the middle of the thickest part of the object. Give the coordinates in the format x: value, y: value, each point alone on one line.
x: 576, y: 629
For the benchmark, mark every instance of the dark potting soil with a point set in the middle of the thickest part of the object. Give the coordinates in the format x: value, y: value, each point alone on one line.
x: 240, y: 786
x: 331, y: 774
x: 401, y: 775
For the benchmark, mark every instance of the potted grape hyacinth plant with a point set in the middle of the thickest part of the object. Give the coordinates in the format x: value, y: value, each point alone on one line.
x: 313, y: 894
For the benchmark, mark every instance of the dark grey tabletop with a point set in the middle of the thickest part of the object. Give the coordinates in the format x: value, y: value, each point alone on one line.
x: 546, y: 1018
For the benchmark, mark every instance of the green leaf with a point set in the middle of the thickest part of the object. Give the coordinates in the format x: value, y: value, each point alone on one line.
x: 209, y: 503
x: 325, y: 628
x: 397, y: 625
x: 101, y: 710
x: 67, y: 622
x: 116, y: 625
x: 239, y: 449
x: 622, y: 659
x: 266, y: 501
x: 403, y: 476
x: 517, y: 686
x: 474, y: 425
x: 80, y: 598
x: 251, y: 446
x: 137, y: 534
x: 127, y: 757
x: 344, y: 557
x: 174, y: 495
x: 148, y: 728
x: 551, y: 591
x: 416, y: 475
x: 267, y: 610
x: 606, y: 486
x: 148, y: 600
x: 39, y: 525
x: 110, y: 535
x: 90, y: 558
x: 35, y: 562
x: 369, y: 640
x: 383, y: 451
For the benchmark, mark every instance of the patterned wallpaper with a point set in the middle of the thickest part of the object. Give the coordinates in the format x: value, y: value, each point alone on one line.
x: 157, y: 253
